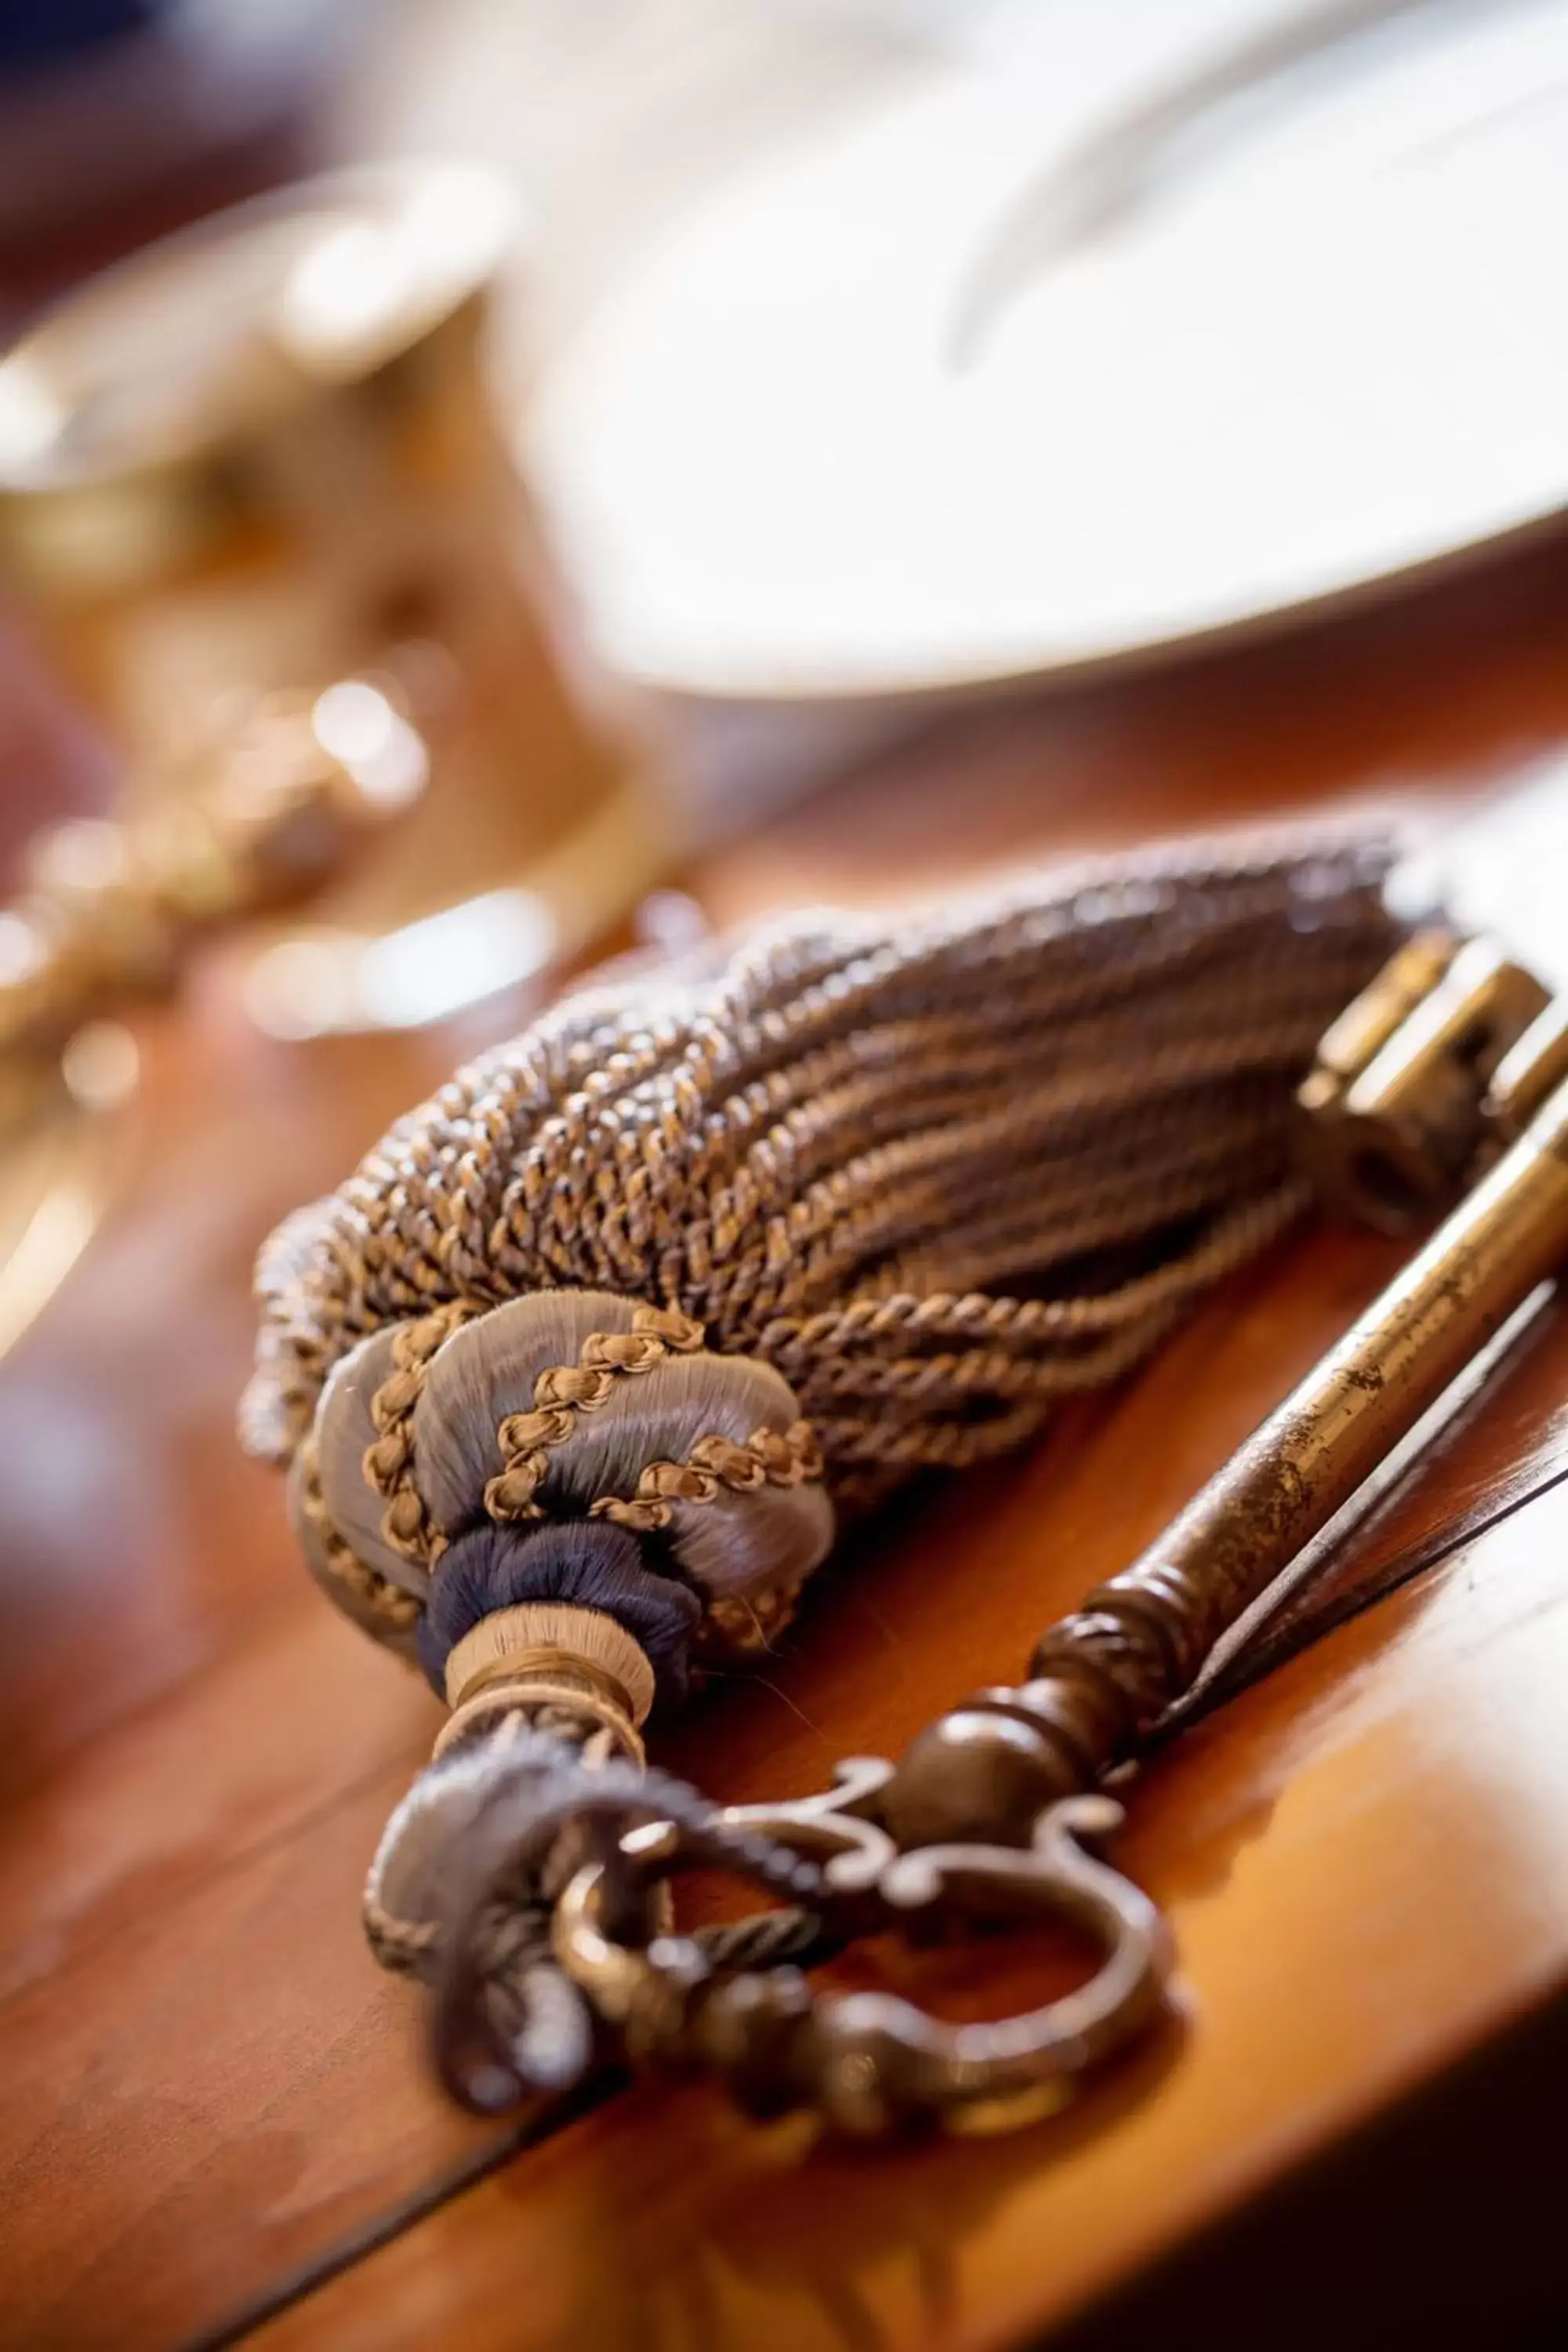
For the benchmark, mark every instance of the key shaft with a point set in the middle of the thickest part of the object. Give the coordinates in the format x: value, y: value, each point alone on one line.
x: 1103, y: 1678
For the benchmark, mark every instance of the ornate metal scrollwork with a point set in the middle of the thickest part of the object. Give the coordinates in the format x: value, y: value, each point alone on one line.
x: 871, y: 2061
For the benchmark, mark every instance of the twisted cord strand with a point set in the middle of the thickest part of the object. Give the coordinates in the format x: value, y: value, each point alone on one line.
x: 561, y: 1391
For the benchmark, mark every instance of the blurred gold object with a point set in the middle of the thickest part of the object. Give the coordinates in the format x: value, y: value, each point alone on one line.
x: 261, y: 453
x: 107, y: 911
x: 108, y: 906
x: 58, y: 1143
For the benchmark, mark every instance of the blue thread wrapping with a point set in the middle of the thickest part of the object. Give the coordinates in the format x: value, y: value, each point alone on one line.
x: 587, y: 1563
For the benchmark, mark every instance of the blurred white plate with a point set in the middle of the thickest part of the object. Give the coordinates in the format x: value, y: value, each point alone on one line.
x: 1174, y: 319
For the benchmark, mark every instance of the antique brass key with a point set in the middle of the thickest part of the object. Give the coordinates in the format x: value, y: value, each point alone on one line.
x: 1451, y: 1070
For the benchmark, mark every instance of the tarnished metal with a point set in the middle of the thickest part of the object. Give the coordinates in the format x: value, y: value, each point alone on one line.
x: 1397, y: 1104
x: 981, y: 1817
x: 1528, y: 1072
x: 1348, y: 1044
x: 869, y: 2062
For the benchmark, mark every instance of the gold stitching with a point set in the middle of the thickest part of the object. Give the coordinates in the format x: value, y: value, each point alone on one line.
x: 389, y: 1461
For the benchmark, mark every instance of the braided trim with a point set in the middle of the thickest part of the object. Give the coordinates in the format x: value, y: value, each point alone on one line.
x: 389, y: 1461
x: 563, y: 1391
x: 396, y: 1612
x: 715, y: 1465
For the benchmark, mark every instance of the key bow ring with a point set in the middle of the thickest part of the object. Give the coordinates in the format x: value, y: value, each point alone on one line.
x: 871, y: 2061
x: 867, y: 2060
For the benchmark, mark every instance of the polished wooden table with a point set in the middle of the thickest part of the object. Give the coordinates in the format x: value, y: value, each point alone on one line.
x: 216, y: 2120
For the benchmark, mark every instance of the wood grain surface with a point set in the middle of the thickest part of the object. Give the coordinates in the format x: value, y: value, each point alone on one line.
x: 215, y: 2107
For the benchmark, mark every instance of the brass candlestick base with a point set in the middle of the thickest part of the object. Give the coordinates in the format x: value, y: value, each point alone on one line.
x: 107, y: 916
x: 262, y: 454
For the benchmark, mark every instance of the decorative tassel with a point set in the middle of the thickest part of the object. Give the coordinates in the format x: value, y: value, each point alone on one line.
x: 573, y: 1375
